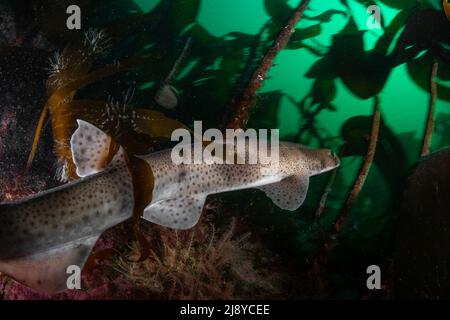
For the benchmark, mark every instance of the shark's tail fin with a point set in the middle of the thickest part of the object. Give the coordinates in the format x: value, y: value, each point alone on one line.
x: 92, y: 149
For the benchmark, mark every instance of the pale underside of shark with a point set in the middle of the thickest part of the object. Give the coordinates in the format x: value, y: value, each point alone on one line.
x: 41, y: 236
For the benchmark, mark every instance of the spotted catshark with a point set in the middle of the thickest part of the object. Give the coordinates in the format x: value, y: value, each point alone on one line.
x: 41, y: 236
x: 181, y: 190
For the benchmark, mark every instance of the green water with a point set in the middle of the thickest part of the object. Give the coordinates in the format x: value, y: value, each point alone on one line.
x: 404, y: 105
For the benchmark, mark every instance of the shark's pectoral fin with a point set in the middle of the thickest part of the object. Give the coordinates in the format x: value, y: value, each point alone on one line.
x: 289, y: 193
x: 48, y: 271
x: 180, y: 213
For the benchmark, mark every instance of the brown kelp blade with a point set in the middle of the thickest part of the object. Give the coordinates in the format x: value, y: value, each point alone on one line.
x: 99, y: 74
x: 37, y: 136
x: 155, y: 124
x: 60, y: 97
x: 143, y: 181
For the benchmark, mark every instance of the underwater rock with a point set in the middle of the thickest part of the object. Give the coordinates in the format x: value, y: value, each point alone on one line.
x: 422, y: 258
x: 22, y: 95
x: 7, y: 25
x: 19, y: 24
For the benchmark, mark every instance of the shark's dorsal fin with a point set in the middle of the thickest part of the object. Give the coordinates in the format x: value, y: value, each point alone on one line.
x: 91, y: 149
x: 48, y: 271
x: 289, y: 193
x: 179, y: 213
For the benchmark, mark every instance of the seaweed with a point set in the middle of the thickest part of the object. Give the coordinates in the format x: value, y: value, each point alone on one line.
x: 203, y: 263
x: 364, y: 171
x: 70, y: 73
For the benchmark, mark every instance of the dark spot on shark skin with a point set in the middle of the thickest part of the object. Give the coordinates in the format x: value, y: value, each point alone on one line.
x: 182, y: 175
x: 40, y: 234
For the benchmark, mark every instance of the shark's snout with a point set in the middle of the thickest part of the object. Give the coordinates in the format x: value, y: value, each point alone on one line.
x: 321, y: 160
x: 330, y: 161
x: 335, y: 158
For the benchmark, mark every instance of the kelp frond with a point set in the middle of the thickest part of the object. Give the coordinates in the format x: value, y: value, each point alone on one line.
x: 364, y: 171
x: 431, y: 110
x: 199, y: 264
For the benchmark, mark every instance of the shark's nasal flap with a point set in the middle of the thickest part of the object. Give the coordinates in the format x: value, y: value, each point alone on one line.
x: 90, y: 149
x: 289, y: 193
